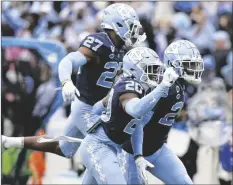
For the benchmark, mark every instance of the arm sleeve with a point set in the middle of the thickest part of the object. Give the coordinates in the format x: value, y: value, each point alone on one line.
x: 138, y: 107
x: 137, y: 140
x: 69, y: 63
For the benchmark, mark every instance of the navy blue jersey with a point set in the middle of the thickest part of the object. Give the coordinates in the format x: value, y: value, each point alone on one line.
x: 117, y: 124
x: 164, y: 114
x: 94, y: 79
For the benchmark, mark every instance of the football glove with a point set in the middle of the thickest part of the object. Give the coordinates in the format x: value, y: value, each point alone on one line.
x: 170, y: 76
x: 142, y: 165
x: 69, y: 91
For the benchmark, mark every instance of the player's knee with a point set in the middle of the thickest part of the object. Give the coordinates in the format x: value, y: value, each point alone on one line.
x: 68, y: 149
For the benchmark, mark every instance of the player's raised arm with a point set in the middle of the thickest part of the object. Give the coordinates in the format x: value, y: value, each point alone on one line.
x: 139, y: 107
x: 144, y: 66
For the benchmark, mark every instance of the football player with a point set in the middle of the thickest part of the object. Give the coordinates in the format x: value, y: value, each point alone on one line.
x: 98, y: 59
x: 151, y: 147
x: 128, y: 107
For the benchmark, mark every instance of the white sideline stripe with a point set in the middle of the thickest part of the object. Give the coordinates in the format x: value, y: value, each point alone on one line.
x: 59, y: 138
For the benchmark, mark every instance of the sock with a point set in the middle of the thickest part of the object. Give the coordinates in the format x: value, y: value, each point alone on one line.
x: 14, y: 142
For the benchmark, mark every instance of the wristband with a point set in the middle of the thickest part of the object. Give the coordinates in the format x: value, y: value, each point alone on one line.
x: 64, y: 81
x: 166, y: 83
x: 137, y: 156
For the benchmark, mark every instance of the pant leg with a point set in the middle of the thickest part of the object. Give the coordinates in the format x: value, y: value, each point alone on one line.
x: 99, y: 155
x: 82, y: 116
x: 88, y: 178
x: 131, y: 175
x: 121, y: 156
x: 168, y: 167
x: 76, y: 126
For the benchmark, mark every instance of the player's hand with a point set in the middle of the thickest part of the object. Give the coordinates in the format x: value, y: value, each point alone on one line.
x: 170, y: 76
x: 69, y: 91
x: 142, y: 165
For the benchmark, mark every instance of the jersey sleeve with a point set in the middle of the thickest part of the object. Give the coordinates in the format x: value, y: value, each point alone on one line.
x: 94, y: 43
x: 129, y: 86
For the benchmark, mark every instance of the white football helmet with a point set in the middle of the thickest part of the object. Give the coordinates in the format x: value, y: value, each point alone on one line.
x: 185, y: 56
x: 144, y: 65
x: 123, y: 19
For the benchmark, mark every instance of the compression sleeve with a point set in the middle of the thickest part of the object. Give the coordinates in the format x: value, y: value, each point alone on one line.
x: 70, y: 62
x: 98, y: 108
x: 137, y: 140
x: 138, y: 107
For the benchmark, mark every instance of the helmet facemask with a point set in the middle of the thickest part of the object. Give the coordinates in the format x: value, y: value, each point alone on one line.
x: 132, y: 36
x: 190, y: 69
x: 152, y: 74
x: 186, y: 59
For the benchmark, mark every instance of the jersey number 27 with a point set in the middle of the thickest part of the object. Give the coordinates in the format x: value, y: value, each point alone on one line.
x: 90, y: 40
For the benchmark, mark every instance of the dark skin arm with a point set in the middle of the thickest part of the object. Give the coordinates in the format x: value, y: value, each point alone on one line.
x: 89, y: 54
x: 125, y: 98
x: 52, y: 147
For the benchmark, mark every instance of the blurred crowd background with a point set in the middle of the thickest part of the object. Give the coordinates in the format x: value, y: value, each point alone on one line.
x: 25, y: 77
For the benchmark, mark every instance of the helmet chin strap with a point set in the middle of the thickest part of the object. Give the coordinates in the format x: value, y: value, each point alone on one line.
x: 128, y: 43
x: 146, y: 86
x: 146, y: 83
x: 126, y: 73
